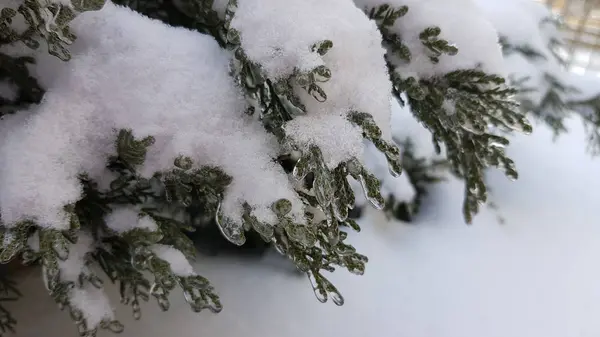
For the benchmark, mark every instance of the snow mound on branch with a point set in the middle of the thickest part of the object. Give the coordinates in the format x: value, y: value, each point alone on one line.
x: 124, y: 219
x: 91, y: 301
x: 462, y: 25
x: 279, y: 35
x: 131, y: 72
x: 177, y: 261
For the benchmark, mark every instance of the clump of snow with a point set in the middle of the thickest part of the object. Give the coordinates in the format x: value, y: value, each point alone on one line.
x: 63, y: 2
x: 125, y: 219
x: 177, y: 89
x: 462, y: 25
x: 180, y: 266
x: 536, y: 275
x: 91, y: 301
x: 33, y: 242
x: 341, y: 136
x: 93, y: 304
x: 75, y: 264
x: 279, y: 35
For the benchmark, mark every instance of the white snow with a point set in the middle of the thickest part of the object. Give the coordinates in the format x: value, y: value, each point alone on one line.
x: 63, y: 2
x: 276, y: 35
x: 75, y: 264
x: 93, y: 303
x: 178, y: 90
x: 536, y: 275
x: 125, y: 219
x: 178, y: 262
x: 462, y: 25
x: 338, y: 139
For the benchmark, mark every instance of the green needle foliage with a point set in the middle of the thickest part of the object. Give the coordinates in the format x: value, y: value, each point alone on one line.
x: 179, y: 199
x: 458, y: 108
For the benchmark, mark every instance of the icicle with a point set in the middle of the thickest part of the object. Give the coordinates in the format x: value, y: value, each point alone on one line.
x: 319, y: 293
x: 230, y: 230
x: 371, y: 195
x: 323, y: 289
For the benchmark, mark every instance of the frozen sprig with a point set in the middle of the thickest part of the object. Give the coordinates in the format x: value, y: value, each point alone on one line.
x: 458, y: 107
x: 385, y: 16
x: 273, y: 96
x: 319, y: 248
x: 46, y: 19
x: 127, y: 257
x: 436, y: 46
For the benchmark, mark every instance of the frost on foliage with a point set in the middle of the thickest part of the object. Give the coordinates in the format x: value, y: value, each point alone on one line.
x: 421, y: 165
x: 148, y: 128
x: 328, y: 69
x: 446, y: 59
x: 125, y: 219
x: 85, y: 299
x: 468, y: 34
x: 83, y: 108
x: 321, y: 82
x: 534, y: 50
x: 177, y: 261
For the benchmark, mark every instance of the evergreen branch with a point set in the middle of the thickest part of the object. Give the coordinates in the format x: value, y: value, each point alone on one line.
x: 385, y: 16
x: 436, y: 46
x: 458, y: 108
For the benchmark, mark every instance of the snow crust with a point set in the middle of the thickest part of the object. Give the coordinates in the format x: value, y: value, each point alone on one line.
x: 462, y: 25
x: 279, y: 35
x: 132, y: 72
x: 125, y: 219
x: 178, y: 262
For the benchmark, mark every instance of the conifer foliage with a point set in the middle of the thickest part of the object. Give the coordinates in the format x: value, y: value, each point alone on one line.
x: 119, y: 133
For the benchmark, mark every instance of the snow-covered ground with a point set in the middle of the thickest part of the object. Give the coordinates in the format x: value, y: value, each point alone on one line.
x: 536, y: 275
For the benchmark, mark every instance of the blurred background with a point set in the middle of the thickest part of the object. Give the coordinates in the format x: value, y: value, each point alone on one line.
x: 581, y: 25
